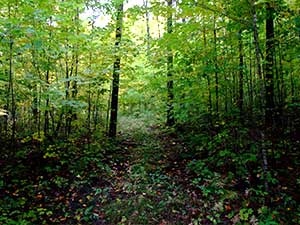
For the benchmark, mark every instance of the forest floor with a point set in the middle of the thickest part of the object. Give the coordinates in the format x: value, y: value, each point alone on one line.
x: 141, y: 179
x: 151, y: 184
x: 147, y: 176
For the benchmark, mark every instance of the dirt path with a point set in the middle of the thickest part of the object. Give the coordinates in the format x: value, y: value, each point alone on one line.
x: 150, y: 184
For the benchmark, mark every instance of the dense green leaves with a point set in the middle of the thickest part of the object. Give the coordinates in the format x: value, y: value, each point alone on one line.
x: 215, y: 69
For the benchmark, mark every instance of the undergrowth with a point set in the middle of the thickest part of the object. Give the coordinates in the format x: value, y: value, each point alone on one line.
x: 227, y: 168
x: 204, y: 173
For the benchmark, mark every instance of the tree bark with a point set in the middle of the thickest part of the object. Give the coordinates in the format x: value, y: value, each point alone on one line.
x: 208, y: 79
x: 259, y: 71
x: 250, y: 81
x: 116, y: 75
x: 11, y: 91
x: 269, y: 73
x: 147, y: 15
x: 46, y: 115
x: 216, y: 66
x: 282, y: 74
x: 257, y: 55
x: 241, y: 75
x: 170, y: 83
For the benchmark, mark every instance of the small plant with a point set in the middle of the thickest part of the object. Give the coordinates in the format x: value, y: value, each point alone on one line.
x: 245, y: 214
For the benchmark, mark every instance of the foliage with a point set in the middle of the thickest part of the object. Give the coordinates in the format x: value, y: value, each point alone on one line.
x: 227, y: 72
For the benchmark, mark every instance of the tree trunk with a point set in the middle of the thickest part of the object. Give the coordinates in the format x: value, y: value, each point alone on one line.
x: 11, y: 85
x: 12, y: 92
x: 282, y: 74
x: 147, y: 15
x: 250, y: 82
x: 257, y: 55
x: 216, y: 67
x: 96, y: 110
x: 269, y: 79
x: 292, y: 86
x: 208, y: 79
x: 116, y: 75
x: 241, y: 75
x: 74, y: 86
x: 89, y: 110
x: 170, y: 83
x: 67, y: 88
x: 158, y: 27
x: 46, y: 115
x: 259, y: 71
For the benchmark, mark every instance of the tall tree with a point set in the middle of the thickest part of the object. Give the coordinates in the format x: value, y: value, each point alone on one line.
x: 241, y: 75
x: 216, y: 65
x: 269, y: 71
x: 207, y: 76
x: 116, y: 75
x: 170, y: 82
x: 11, y: 90
x: 147, y: 15
x: 257, y: 51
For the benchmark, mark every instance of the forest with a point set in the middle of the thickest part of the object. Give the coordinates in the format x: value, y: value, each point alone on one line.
x: 162, y: 112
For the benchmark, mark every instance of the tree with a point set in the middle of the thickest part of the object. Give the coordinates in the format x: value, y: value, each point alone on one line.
x: 269, y: 71
x: 170, y: 82
x: 116, y: 74
x: 241, y: 75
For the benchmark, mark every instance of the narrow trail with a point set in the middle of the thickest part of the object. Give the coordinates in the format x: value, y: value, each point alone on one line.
x: 150, y: 184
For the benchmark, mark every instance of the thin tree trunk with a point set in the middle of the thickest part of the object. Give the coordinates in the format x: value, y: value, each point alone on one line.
x: 147, y: 15
x: 250, y: 82
x: 89, y: 110
x: 158, y: 27
x: 69, y: 111
x: 74, y: 87
x: 223, y: 69
x: 11, y: 85
x: 270, y: 46
x: 281, y: 75
x: 208, y: 78
x: 259, y: 71
x: 170, y: 83
x: 107, y: 121
x: 46, y: 115
x: 39, y: 106
x: 12, y: 92
x: 241, y: 75
x: 7, y: 105
x: 292, y: 87
x: 67, y: 87
x: 96, y: 111
x: 35, y: 108
x: 258, y: 58
x: 264, y: 162
x: 216, y: 67
x: 277, y: 91
x: 116, y: 75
